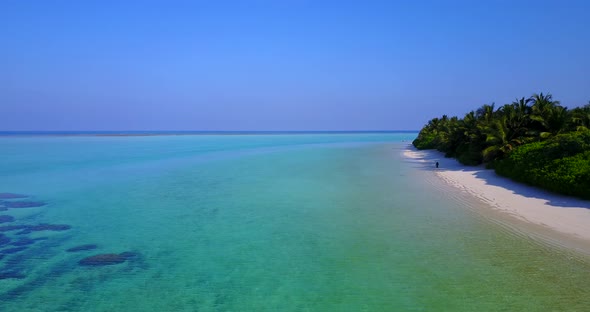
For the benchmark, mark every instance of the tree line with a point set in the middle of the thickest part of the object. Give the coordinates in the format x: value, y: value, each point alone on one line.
x: 533, y: 140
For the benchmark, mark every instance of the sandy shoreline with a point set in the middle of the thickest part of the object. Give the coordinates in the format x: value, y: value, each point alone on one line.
x: 563, y: 214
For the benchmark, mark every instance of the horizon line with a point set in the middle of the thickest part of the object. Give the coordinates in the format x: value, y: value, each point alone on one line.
x: 186, y: 132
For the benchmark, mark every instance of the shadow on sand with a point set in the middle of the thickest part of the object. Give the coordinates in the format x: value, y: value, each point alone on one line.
x: 426, y: 160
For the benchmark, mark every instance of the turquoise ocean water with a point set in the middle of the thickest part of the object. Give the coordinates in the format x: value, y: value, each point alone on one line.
x: 313, y: 222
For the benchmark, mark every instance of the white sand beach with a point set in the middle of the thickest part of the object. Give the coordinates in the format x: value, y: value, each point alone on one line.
x: 564, y: 214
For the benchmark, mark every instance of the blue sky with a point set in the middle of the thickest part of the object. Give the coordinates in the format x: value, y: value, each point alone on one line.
x: 281, y: 65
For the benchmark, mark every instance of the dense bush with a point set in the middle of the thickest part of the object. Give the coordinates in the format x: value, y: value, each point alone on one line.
x: 425, y: 142
x: 561, y: 164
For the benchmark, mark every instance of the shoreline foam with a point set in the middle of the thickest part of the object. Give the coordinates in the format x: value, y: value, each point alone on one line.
x: 566, y: 215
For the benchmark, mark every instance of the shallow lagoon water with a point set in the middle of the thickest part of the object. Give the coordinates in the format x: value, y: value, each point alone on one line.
x: 325, y: 222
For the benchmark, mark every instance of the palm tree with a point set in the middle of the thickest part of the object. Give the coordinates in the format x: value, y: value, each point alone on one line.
x: 556, y: 120
x: 447, y: 136
x: 522, y: 105
x: 433, y: 124
x: 470, y: 125
x: 486, y: 113
x: 500, y: 139
x: 542, y: 103
x: 581, y: 117
x: 522, y: 110
x: 549, y: 117
x: 517, y: 116
x: 552, y: 122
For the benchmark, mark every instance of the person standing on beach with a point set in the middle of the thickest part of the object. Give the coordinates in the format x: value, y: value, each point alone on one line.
x: 436, y: 165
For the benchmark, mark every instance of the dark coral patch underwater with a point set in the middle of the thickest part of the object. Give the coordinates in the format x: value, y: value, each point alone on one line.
x: 23, y: 204
x: 7, y: 275
x: 4, y: 239
x: 43, y: 227
x: 11, y: 196
x: 129, y: 255
x: 26, y: 229
x: 102, y: 259
x: 48, y: 227
x: 107, y: 259
x: 5, y: 218
x: 8, y: 228
x: 12, y: 250
x: 23, y: 241
x: 82, y: 248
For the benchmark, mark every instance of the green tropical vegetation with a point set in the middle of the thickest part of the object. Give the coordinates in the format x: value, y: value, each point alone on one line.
x: 533, y: 140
